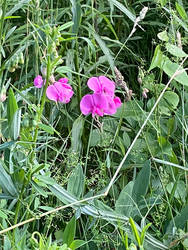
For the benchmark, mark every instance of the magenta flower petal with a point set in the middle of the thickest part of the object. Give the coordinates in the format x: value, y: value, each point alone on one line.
x: 52, y: 93
x: 38, y: 82
x: 111, y: 108
x: 108, y: 86
x: 117, y: 102
x: 66, y: 85
x: 94, y: 84
x: 100, y: 101
x: 63, y: 80
x: 86, y: 104
x: 64, y: 92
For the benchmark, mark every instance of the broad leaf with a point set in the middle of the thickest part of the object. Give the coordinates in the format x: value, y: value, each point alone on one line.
x: 125, y: 203
x: 76, y: 182
x: 157, y: 58
x: 12, y: 106
x: 175, y: 50
x: 69, y: 232
x: 46, y: 128
x: 15, y: 125
x: 77, y: 131
x: 76, y: 244
x: 6, y: 182
x: 142, y: 182
x: 170, y: 68
x: 76, y: 13
x: 163, y: 36
x: 179, y: 220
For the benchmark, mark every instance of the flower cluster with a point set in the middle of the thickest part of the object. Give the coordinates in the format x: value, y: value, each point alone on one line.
x: 59, y: 91
x: 102, y: 101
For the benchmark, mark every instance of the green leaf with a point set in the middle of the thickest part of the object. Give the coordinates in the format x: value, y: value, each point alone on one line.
x: 6, y: 182
x: 125, y: 203
x: 95, y: 138
x: 163, y: 2
x: 12, y: 106
x: 175, y: 50
x: 7, y: 145
x: 180, y: 192
x: 62, y: 194
x: 76, y: 182
x: 15, y: 125
x: 3, y: 215
x: 135, y: 231
x: 172, y: 99
x: 171, y: 125
x: 105, y: 50
x: 126, y: 139
x: 181, y: 11
x: 142, y: 182
x: 46, y: 128
x: 77, y: 131
x: 39, y: 189
x: 65, y: 26
x: 170, y: 68
x: 7, y: 243
x: 46, y: 208
x: 76, y: 244
x: 180, y: 220
x: 157, y: 58
x: 163, y: 36
x: 168, y: 102
x: 63, y: 70
x: 45, y: 179
x: 165, y: 145
x: 122, y: 8
x: 69, y: 232
x: 76, y: 18
x: 143, y: 233
x: 17, y: 6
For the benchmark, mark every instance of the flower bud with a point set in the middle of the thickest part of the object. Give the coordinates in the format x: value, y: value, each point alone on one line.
x: 38, y: 82
x: 11, y: 69
x: 3, y: 95
x: 144, y: 93
x: 21, y: 59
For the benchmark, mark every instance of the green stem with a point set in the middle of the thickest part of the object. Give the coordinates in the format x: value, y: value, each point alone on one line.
x: 79, y: 92
x: 18, y: 207
x: 88, y: 146
x: 1, y: 25
x: 42, y: 106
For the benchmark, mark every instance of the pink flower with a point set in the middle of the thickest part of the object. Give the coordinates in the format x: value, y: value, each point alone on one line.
x: 63, y: 80
x: 101, y: 84
x: 38, y: 82
x: 95, y: 104
x: 102, y: 101
x: 60, y: 91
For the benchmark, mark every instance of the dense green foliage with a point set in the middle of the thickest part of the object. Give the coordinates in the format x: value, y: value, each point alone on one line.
x: 120, y: 181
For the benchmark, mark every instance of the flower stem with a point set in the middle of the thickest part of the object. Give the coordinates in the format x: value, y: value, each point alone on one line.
x: 79, y: 93
x: 41, y: 106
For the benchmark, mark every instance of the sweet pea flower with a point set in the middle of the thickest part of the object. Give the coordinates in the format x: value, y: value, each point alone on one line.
x: 102, y: 101
x: 101, y: 84
x: 95, y: 104
x: 99, y: 104
x: 38, y: 82
x: 60, y: 91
